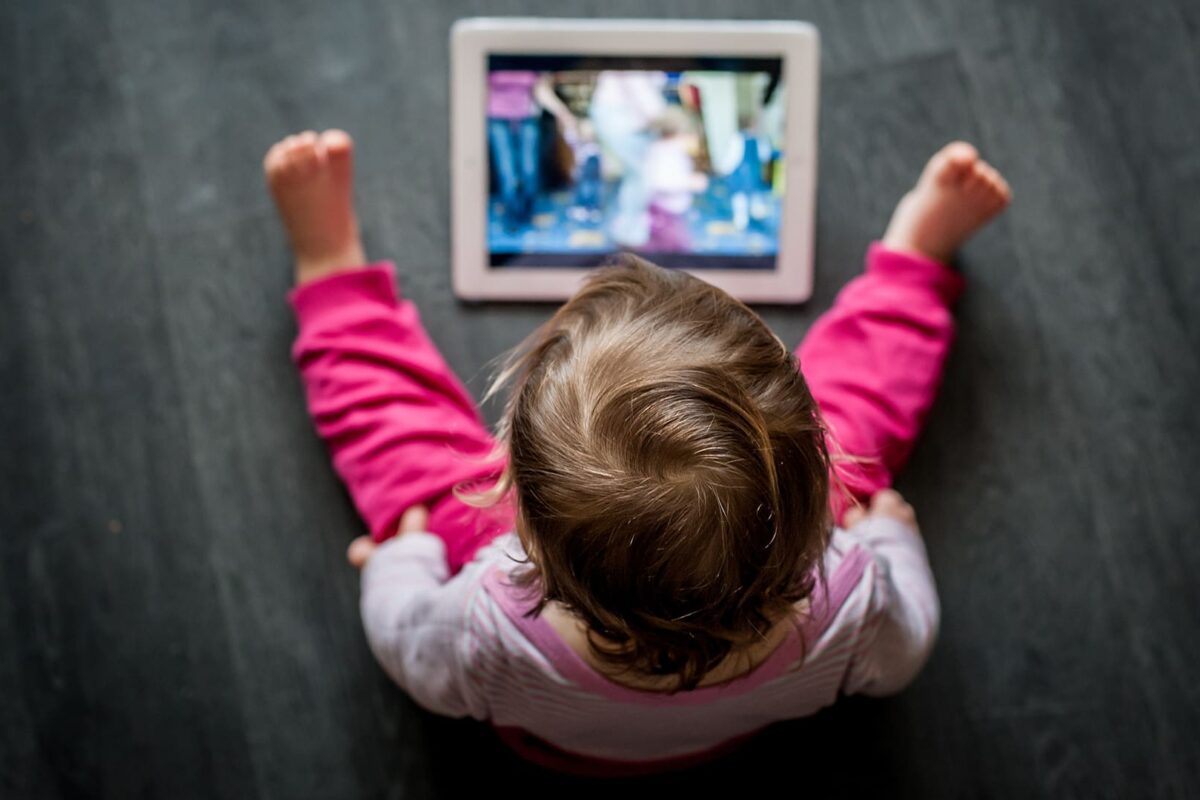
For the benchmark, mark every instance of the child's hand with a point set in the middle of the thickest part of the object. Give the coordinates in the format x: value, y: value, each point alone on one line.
x: 885, y: 503
x: 698, y: 183
x: 570, y: 127
x: 362, y: 548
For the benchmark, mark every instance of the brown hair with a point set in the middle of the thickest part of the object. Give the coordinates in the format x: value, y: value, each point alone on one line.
x: 669, y: 469
x: 673, y: 121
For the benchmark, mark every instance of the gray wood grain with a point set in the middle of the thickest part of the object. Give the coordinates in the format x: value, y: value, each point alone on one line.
x: 177, y: 619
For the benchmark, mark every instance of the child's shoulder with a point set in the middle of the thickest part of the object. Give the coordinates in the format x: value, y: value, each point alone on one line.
x: 489, y: 575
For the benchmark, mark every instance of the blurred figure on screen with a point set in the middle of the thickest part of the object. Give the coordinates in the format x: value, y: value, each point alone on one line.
x: 624, y: 105
x: 516, y: 99
x: 748, y: 182
x: 587, y: 176
x: 671, y: 180
x: 743, y: 116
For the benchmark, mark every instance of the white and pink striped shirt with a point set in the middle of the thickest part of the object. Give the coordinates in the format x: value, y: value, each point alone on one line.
x: 462, y: 646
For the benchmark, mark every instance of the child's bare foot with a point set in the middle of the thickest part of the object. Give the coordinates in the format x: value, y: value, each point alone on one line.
x: 955, y: 196
x: 311, y: 178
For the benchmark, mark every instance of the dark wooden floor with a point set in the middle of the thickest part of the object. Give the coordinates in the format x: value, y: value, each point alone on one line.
x: 176, y: 619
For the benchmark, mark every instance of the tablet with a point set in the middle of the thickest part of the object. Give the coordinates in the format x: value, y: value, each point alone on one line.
x: 689, y: 143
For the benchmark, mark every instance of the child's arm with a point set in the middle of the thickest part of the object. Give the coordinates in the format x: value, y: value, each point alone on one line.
x: 544, y: 94
x: 667, y: 169
x: 874, y: 363
x: 399, y: 425
x: 903, y: 613
x: 416, y: 622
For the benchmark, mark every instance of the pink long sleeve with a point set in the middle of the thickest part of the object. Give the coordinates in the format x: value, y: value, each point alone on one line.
x: 874, y: 364
x: 400, y: 426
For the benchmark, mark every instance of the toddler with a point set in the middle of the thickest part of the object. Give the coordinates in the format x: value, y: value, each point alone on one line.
x: 671, y: 180
x: 589, y: 182
x: 658, y: 556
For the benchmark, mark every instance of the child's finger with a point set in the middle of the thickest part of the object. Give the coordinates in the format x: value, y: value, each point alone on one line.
x: 415, y: 519
x: 886, y: 500
x: 891, y: 503
x: 359, y: 551
x: 853, y: 516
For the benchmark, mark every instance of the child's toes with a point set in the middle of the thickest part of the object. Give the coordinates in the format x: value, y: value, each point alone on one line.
x: 338, y: 144
x: 274, y: 160
x: 303, y: 157
x: 982, y: 180
x: 975, y: 180
x: 959, y: 157
x: 1003, y: 190
x: 997, y: 187
x: 950, y: 164
x: 1003, y: 197
x: 282, y: 159
x: 281, y: 154
x: 989, y: 174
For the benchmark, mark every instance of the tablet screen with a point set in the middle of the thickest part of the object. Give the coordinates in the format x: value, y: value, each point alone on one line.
x: 677, y: 159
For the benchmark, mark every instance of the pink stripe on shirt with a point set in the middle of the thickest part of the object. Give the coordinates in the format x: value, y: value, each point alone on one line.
x: 457, y: 648
x: 826, y: 602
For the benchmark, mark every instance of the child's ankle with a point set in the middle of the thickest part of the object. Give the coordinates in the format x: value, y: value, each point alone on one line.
x: 312, y: 268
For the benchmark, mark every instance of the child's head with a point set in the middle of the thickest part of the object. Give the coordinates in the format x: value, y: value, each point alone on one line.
x: 668, y: 466
x: 676, y: 123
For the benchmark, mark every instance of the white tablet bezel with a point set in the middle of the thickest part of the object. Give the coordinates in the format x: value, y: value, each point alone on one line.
x: 472, y: 40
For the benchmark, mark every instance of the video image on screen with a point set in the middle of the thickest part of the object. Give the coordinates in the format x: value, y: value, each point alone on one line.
x: 677, y: 159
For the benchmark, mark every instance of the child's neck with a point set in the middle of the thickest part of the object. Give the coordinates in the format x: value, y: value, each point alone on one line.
x: 574, y: 632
